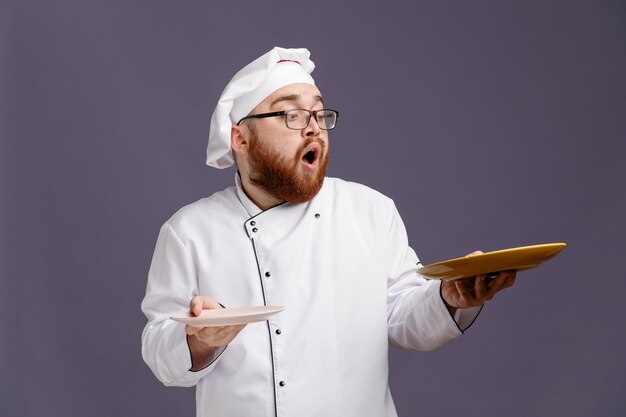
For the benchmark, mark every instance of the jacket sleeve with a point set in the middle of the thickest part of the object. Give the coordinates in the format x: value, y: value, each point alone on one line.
x: 417, y: 317
x: 172, y: 282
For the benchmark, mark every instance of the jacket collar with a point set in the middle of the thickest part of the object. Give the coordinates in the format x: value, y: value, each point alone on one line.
x: 276, y: 222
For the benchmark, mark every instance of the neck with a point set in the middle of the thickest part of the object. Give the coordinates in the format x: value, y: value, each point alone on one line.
x: 258, y: 196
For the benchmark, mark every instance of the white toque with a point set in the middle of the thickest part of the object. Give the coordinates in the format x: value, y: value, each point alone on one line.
x: 250, y: 86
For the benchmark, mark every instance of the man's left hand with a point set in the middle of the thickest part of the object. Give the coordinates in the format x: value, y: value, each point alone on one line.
x: 475, y: 291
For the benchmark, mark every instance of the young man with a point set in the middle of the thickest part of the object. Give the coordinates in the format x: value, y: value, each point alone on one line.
x: 334, y: 253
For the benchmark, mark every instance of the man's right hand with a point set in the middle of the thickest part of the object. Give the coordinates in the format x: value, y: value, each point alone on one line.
x: 205, y: 341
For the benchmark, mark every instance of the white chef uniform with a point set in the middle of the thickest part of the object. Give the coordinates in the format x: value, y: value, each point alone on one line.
x: 342, y: 267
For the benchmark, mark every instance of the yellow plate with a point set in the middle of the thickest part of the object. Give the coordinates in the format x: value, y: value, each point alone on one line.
x: 520, y: 259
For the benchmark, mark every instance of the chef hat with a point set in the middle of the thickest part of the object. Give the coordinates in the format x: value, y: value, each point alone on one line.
x: 250, y: 86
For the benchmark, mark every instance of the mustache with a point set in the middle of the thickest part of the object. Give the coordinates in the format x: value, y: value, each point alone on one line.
x: 308, y: 141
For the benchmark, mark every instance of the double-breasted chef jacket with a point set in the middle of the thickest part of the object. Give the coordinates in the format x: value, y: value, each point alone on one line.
x: 341, y: 266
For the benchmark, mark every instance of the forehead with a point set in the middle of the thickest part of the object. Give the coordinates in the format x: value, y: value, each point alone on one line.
x: 303, y: 94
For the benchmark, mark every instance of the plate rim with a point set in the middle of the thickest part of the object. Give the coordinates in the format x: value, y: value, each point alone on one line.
x: 262, y: 310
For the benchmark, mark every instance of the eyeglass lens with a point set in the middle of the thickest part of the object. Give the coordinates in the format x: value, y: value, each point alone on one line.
x: 299, y: 119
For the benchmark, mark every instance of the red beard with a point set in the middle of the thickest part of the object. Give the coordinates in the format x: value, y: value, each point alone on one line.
x: 284, y: 179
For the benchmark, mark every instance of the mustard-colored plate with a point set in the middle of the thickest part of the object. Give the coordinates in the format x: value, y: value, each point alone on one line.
x: 520, y: 259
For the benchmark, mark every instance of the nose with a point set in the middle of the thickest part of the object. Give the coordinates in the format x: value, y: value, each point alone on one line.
x: 312, y: 129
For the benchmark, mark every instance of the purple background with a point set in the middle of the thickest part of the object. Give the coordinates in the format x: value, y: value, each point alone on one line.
x: 491, y: 124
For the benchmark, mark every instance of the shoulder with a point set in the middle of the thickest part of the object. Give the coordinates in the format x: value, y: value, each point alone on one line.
x: 359, y: 205
x: 358, y: 201
x: 359, y: 194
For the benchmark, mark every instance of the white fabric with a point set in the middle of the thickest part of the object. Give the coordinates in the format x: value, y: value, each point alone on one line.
x: 346, y: 277
x: 250, y: 86
x: 282, y: 74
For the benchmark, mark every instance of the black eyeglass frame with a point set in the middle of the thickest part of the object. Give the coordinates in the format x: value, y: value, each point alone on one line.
x: 312, y: 113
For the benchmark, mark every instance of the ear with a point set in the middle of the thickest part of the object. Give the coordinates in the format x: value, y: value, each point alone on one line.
x: 239, y: 140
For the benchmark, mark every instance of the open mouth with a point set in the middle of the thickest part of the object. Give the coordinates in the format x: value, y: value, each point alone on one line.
x: 311, y: 155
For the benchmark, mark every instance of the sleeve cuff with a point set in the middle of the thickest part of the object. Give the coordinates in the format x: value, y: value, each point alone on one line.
x: 218, y: 352
x: 463, y: 317
x: 189, y: 377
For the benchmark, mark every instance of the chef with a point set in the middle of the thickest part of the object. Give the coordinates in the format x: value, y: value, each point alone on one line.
x: 335, y: 254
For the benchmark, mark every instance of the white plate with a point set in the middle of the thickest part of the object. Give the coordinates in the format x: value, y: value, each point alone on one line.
x: 228, y: 316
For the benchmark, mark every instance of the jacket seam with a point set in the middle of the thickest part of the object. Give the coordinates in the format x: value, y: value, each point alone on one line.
x: 269, y: 330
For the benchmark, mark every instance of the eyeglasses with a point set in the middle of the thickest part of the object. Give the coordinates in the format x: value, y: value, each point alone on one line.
x: 299, y: 119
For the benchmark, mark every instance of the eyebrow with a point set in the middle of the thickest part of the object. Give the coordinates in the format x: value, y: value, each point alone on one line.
x: 294, y: 97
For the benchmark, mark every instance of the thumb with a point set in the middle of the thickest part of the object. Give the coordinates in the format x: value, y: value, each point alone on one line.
x: 202, y: 302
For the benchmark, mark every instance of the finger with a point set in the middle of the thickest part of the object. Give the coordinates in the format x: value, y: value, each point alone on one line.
x: 219, y: 336
x: 497, y: 283
x: 223, y: 332
x: 467, y: 282
x: 202, y: 302
x: 476, y: 252
x: 481, y: 287
x: 227, y: 334
x: 190, y: 330
x: 195, y: 305
x: 465, y: 294
x: 510, y: 279
x: 500, y: 282
x: 208, y: 335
